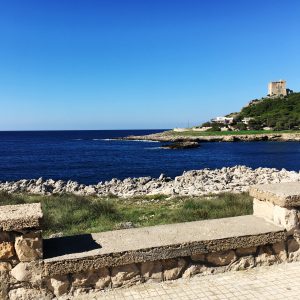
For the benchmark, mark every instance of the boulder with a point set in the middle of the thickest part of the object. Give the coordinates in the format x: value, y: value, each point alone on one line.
x: 29, y: 246
x: 221, y: 258
x: 125, y: 275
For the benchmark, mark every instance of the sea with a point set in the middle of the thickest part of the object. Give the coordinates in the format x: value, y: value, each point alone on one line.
x: 94, y: 155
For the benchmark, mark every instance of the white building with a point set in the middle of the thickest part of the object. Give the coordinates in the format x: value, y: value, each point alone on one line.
x: 222, y: 120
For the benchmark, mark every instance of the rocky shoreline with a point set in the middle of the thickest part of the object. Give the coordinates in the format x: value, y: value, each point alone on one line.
x: 191, y: 183
x: 168, y: 136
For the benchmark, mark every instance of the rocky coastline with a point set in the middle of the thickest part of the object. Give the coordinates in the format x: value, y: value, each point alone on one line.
x: 235, y: 179
x: 169, y: 136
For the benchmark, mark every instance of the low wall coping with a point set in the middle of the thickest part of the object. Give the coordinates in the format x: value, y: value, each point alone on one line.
x: 19, y: 217
x: 285, y: 194
x: 136, y: 245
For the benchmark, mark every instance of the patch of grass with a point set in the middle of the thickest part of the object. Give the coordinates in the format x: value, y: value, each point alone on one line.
x: 221, y: 133
x: 72, y: 214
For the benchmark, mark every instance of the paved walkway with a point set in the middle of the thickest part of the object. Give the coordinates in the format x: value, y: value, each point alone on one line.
x: 275, y: 282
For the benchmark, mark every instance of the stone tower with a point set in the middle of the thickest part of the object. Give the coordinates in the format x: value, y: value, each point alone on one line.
x: 277, y: 88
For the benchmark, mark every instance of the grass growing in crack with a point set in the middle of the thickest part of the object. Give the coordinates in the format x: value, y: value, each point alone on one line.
x: 72, y: 214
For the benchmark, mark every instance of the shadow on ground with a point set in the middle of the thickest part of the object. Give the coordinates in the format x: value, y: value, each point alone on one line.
x: 69, y: 244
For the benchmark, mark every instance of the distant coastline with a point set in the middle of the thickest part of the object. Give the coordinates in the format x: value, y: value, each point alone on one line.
x: 171, y: 136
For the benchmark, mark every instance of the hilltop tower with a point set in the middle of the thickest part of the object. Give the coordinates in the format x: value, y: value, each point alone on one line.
x: 277, y: 88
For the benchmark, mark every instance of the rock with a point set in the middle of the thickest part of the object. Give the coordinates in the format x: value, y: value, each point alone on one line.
x: 27, y: 272
x: 265, y: 256
x: 59, y: 284
x: 5, y: 236
x: 292, y: 245
x: 125, y: 225
x: 29, y: 294
x: 198, y: 257
x: 181, y: 145
x: 246, y: 251
x: 95, y: 278
x: 152, y: 271
x: 4, y: 285
x: 29, y: 246
x: 190, y: 183
x: 221, y: 258
x: 173, y: 268
x: 56, y: 235
x: 193, y: 270
x: 5, y: 267
x: 6, y: 250
x: 280, y: 251
x: 245, y: 262
x: 287, y: 218
x: 125, y: 275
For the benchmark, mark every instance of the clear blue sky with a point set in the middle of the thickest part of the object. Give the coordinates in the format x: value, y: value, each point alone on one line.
x: 70, y: 64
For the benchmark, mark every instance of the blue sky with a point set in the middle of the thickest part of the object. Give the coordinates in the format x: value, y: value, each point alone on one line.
x: 130, y: 64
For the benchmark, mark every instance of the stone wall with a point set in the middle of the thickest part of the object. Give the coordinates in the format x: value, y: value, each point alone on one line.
x: 20, y: 243
x: 209, y: 249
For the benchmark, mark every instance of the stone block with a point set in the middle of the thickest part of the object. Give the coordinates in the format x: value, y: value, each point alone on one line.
x: 292, y: 245
x: 265, y: 256
x: 263, y: 209
x: 125, y: 275
x: 173, y: 268
x: 29, y: 294
x: 280, y: 251
x: 285, y: 194
x: 7, y: 250
x: 221, y: 258
x: 5, y: 236
x: 27, y: 272
x: 20, y: 217
x: 246, y: 251
x: 288, y: 218
x: 194, y: 270
x: 198, y: 257
x: 152, y: 271
x: 58, y: 285
x: 94, y: 278
x: 5, y: 267
x: 29, y: 246
x: 244, y: 263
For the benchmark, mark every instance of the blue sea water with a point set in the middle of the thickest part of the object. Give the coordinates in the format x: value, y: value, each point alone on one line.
x: 90, y: 156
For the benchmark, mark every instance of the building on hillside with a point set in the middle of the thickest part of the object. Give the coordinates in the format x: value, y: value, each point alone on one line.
x: 277, y: 88
x: 222, y: 120
x: 246, y: 120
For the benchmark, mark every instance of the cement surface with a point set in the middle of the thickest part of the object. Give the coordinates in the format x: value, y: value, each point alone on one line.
x: 162, y: 242
x: 285, y: 194
x: 19, y: 217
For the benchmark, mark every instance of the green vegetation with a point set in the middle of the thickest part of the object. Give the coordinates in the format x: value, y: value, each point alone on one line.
x: 278, y: 113
x: 216, y: 133
x: 74, y: 214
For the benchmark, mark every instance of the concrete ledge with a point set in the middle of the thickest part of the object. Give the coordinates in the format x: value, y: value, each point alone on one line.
x: 20, y: 217
x: 282, y: 194
x: 123, y: 247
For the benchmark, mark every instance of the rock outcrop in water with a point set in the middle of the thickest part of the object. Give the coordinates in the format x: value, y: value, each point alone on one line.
x: 192, y: 183
x: 181, y: 145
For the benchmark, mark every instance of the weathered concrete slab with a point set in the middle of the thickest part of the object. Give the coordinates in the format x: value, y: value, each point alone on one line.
x: 285, y: 194
x: 162, y: 242
x: 19, y: 217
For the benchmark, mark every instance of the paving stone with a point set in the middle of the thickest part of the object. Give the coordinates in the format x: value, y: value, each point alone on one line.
x: 273, y: 282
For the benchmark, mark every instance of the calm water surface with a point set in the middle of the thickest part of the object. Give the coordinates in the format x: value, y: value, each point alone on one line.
x: 90, y: 157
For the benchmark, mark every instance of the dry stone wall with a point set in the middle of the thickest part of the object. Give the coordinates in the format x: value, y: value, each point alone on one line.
x: 23, y: 273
